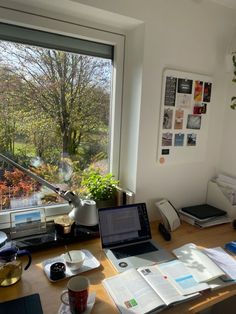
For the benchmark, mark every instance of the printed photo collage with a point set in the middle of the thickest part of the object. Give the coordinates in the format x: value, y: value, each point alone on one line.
x: 185, y: 104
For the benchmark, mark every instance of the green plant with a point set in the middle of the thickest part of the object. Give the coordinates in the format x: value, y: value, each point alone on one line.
x: 233, y: 99
x: 100, y: 187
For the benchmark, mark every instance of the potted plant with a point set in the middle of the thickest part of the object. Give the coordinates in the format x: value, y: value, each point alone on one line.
x: 100, y: 187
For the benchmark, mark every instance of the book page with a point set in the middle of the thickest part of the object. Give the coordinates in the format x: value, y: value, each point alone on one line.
x: 131, y: 293
x: 225, y: 261
x: 201, y: 266
x: 181, y: 277
x: 162, y: 285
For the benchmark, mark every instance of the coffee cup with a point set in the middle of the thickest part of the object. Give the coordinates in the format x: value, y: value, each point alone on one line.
x: 77, y: 291
x: 74, y: 259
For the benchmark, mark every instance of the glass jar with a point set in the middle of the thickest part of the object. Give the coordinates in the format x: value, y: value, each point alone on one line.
x: 11, y: 265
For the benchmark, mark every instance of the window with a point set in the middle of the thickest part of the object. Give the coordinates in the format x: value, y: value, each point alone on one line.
x: 59, y: 113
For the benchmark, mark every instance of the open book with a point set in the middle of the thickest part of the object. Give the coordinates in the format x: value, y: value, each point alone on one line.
x: 207, y: 264
x: 150, y: 288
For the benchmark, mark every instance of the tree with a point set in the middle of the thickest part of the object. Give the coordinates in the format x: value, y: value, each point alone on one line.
x: 10, y: 91
x: 69, y: 90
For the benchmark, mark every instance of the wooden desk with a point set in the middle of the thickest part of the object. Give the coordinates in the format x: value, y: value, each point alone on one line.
x: 34, y: 280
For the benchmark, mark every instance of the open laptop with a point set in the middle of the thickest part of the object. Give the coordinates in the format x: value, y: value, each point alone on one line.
x: 126, y: 237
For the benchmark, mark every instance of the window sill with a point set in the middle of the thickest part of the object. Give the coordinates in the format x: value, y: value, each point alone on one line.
x: 50, y: 211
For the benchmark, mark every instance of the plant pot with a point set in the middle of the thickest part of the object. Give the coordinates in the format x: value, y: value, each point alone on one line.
x: 106, y: 203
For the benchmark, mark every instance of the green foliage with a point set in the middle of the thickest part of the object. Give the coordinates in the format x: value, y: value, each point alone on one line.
x: 48, y: 172
x: 99, y: 187
x: 233, y: 99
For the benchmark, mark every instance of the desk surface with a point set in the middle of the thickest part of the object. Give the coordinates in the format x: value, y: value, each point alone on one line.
x: 34, y: 280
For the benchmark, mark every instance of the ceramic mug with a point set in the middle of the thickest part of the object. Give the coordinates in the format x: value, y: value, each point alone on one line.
x: 77, y: 291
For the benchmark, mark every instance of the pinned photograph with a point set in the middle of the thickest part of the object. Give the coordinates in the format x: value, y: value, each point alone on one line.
x: 207, y: 92
x: 179, y: 118
x: 165, y: 151
x: 167, y: 119
x: 198, y: 88
x: 204, y: 108
x: 185, y: 86
x: 191, y: 139
x: 170, y: 91
x: 179, y: 139
x: 183, y: 101
x: 194, y: 122
x: 167, y: 139
x: 197, y: 109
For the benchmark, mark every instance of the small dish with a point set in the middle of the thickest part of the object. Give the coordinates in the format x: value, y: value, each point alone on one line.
x: 74, y: 259
x: 57, y: 271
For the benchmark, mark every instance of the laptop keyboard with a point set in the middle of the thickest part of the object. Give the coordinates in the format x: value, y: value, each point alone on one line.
x: 133, y: 250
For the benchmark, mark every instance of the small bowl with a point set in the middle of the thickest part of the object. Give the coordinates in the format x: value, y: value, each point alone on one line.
x: 74, y: 259
x: 57, y: 271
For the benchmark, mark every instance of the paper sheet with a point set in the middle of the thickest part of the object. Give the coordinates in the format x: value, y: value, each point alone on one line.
x: 225, y: 261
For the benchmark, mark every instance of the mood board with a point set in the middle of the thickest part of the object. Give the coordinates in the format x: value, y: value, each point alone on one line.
x: 184, y: 117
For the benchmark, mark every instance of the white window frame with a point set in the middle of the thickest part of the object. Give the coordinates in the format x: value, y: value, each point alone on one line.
x: 82, y: 32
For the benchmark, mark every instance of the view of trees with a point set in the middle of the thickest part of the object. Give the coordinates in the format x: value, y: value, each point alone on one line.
x: 54, y: 109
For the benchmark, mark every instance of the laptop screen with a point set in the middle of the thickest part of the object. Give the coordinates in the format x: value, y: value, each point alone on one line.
x: 123, y: 225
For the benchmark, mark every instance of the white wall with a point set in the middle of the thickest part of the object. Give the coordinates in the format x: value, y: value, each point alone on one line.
x: 191, y: 36
x: 228, y: 149
x: 188, y: 35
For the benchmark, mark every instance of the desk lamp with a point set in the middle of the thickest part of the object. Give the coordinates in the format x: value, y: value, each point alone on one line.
x: 84, y: 212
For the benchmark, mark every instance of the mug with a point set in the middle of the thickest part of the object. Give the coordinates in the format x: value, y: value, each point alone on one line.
x: 77, y: 291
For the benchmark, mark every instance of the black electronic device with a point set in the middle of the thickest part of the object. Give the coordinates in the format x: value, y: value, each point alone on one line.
x: 164, y: 232
x: 25, y: 305
x: 113, y: 220
x: 126, y: 237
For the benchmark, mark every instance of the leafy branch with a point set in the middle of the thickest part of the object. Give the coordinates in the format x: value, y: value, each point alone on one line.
x: 233, y: 99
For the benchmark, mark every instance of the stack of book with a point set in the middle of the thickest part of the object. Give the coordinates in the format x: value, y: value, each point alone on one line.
x: 204, y: 215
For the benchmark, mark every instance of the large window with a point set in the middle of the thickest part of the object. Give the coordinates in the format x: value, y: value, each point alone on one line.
x: 56, y: 105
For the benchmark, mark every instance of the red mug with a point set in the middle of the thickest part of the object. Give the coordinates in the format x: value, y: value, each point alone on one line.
x: 77, y: 291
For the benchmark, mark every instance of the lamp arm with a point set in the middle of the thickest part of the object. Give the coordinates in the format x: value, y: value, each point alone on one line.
x: 67, y: 195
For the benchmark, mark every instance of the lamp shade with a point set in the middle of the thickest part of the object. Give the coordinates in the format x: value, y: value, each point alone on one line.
x: 85, y: 214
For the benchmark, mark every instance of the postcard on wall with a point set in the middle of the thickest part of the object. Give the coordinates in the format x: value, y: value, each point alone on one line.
x: 179, y: 139
x: 198, y: 88
x: 167, y: 139
x: 204, y: 108
x: 167, y: 119
x: 179, y: 117
x: 194, y: 122
x: 207, y: 92
x: 185, y: 86
x: 170, y: 91
x: 191, y: 139
x: 183, y: 101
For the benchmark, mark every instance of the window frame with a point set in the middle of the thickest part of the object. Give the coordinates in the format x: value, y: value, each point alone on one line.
x: 71, y: 29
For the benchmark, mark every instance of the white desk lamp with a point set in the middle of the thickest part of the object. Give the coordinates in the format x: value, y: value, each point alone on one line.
x: 84, y: 212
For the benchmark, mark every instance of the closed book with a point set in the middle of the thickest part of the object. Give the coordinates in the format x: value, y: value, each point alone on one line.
x: 203, y: 211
